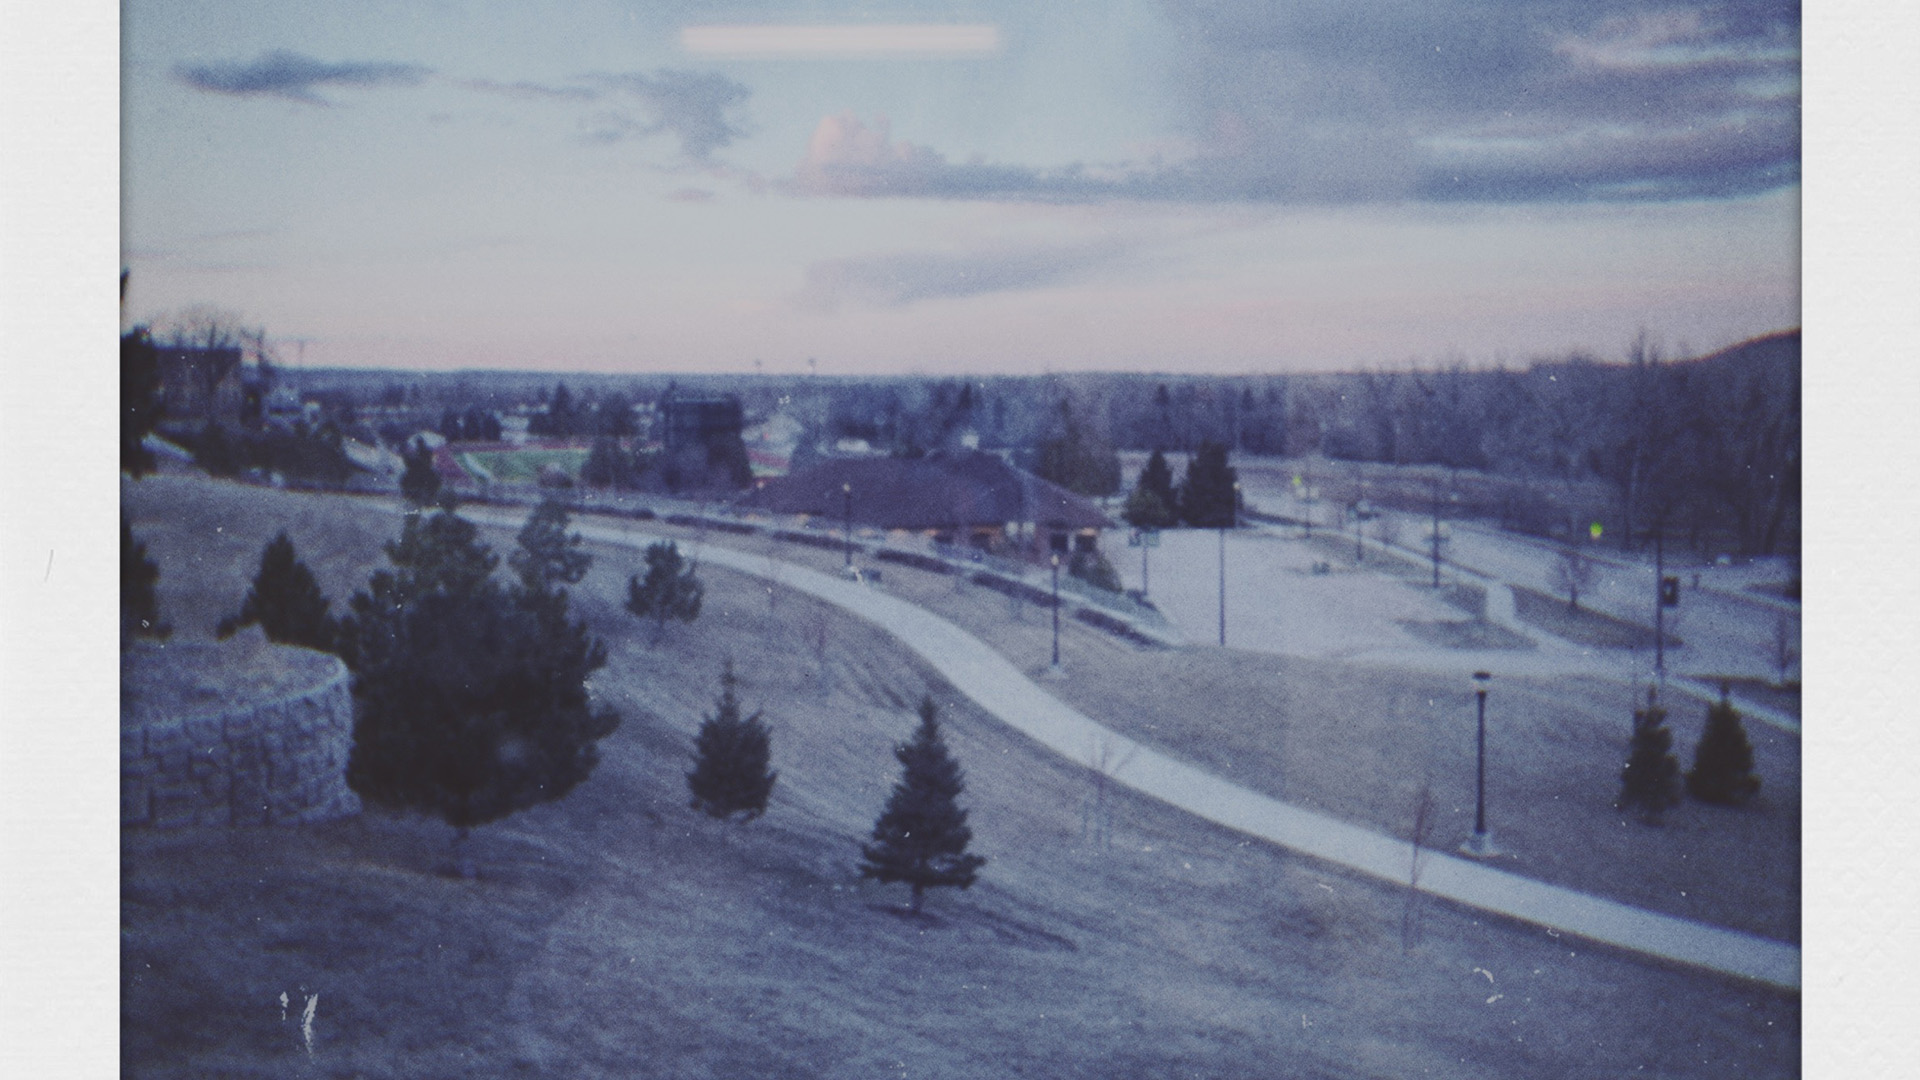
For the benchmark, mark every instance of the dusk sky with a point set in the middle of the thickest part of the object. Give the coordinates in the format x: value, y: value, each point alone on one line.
x: 1167, y: 185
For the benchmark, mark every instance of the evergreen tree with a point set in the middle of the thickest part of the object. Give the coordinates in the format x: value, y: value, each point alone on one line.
x: 139, y: 599
x: 1152, y: 503
x: 730, y: 775
x: 1207, y: 497
x: 286, y: 602
x: 471, y: 700
x: 549, y: 556
x: 420, y: 484
x: 921, y: 837
x: 1723, y: 761
x: 1077, y: 459
x: 670, y: 590
x: 1650, y: 780
x: 139, y: 400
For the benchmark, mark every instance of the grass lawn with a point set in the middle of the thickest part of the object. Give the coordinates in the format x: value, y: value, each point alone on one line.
x: 616, y: 933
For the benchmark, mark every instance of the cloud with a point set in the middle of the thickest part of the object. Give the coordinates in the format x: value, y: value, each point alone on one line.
x: 898, y: 279
x: 690, y: 105
x: 532, y: 91
x: 292, y: 76
x: 1325, y: 101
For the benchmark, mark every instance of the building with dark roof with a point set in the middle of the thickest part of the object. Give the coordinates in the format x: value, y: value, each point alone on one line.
x: 964, y: 497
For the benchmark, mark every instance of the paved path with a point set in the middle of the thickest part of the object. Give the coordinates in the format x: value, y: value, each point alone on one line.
x: 1003, y: 690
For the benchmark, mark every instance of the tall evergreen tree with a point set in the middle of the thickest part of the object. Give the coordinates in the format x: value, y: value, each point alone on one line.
x: 1207, y: 497
x: 139, y: 599
x: 730, y: 774
x: 471, y: 700
x: 1650, y: 780
x: 286, y: 602
x: 1078, y: 459
x: 670, y: 590
x: 1723, y: 761
x: 549, y: 557
x: 921, y: 837
x: 420, y: 484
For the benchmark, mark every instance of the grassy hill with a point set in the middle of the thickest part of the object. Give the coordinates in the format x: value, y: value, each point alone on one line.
x: 619, y: 934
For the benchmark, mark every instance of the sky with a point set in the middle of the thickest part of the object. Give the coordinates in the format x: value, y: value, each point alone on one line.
x: 1223, y: 186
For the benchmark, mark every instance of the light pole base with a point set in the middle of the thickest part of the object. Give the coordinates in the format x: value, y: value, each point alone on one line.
x: 1054, y: 672
x: 1480, y: 845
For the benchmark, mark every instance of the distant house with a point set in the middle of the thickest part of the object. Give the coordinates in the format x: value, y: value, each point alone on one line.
x: 964, y: 497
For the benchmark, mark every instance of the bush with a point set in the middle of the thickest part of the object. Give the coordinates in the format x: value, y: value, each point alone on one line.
x: 1723, y: 761
x: 730, y: 776
x: 1094, y: 569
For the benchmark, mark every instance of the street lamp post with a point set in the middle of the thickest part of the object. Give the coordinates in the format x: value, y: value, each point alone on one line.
x: 1056, y: 611
x: 1480, y: 844
x: 846, y: 489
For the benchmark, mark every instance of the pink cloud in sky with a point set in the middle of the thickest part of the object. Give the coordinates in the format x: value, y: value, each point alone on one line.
x: 846, y: 157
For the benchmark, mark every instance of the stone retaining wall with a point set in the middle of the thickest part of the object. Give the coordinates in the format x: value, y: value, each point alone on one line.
x: 281, y: 761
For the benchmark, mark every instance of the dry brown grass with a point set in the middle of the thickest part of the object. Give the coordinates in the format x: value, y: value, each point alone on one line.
x: 617, y: 933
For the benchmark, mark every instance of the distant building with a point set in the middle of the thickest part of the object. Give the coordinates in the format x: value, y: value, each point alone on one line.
x: 966, y: 498
x: 700, y: 421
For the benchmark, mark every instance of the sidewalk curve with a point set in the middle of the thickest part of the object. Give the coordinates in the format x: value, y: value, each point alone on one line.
x: 1004, y: 690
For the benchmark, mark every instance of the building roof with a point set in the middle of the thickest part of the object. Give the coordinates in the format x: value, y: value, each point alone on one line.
x: 940, y: 491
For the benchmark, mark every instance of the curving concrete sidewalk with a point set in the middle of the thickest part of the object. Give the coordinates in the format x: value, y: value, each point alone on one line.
x: 1002, y: 689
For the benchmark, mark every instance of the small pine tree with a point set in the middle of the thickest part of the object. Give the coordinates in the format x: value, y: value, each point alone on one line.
x: 549, y: 556
x: 670, y: 590
x: 286, y: 602
x: 1723, y: 761
x: 730, y: 775
x: 420, y: 484
x: 1650, y: 780
x: 921, y: 837
x: 139, y: 599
